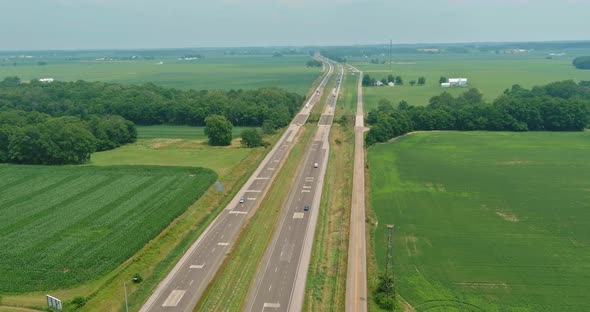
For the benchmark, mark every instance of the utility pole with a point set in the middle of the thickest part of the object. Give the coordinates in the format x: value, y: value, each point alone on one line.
x: 390, y: 293
x: 390, y: 50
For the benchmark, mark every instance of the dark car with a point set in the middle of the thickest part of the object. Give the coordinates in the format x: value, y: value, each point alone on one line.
x: 306, y: 208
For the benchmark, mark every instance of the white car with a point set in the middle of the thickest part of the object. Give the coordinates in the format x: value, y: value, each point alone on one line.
x: 315, y: 165
x: 242, y: 200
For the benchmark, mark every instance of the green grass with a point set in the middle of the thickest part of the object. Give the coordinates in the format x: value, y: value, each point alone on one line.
x: 213, y: 72
x: 180, y: 132
x: 489, y: 76
x: 173, y: 152
x: 498, y: 221
x: 64, y: 226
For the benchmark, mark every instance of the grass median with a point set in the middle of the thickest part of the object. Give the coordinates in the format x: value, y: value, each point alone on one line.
x: 229, y: 288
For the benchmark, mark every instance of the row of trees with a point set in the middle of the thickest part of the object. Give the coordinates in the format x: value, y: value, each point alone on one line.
x: 370, y: 81
x: 582, y: 62
x: 559, y: 106
x: 37, y: 138
x: 149, y: 104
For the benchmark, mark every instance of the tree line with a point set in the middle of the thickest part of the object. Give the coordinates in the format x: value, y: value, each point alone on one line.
x: 558, y: 106
x: 582, y: 62
x: 398, y: 80
x: 149, y: 104
x: 37, y: 138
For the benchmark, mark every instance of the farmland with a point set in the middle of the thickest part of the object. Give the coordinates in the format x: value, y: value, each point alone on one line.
x: 64, y: 226
x: 216, y: 71
x: 175, y: 146
x: 489, y: 76
x: 485, y: 221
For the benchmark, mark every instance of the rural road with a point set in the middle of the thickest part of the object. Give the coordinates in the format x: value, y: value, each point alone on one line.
x: 281, y: 279
x: 356, y: 277
x: 184, y: 285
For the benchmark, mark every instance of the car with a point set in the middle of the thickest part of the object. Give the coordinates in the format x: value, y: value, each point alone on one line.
x: 306, y: 208
x: 242, y: 199
x: 315, y: 165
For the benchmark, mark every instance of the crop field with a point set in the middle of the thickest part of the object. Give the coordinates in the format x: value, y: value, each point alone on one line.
x: 213, y: 72
x: 63, y: 226
x: 485, y: 221
x: 179, y: 132
x: 490, y: 76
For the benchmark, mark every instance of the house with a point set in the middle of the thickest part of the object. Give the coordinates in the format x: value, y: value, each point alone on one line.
x: 379, y: 83
x: 391, y: 83
x: 457, y: 82
x: 445, y: 85
x: 46, y: 80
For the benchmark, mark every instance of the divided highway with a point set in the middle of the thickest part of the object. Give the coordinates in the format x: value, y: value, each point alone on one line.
x: 185, y: 284
x: 280, y: 282
x: 356, y: 276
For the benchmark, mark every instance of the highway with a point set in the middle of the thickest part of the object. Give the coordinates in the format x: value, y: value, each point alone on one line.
x: 281, y: 278
x: 356, y: 275
x: 185, y: 284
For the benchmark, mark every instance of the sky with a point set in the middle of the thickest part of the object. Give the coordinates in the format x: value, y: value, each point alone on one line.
x: 122, y: 24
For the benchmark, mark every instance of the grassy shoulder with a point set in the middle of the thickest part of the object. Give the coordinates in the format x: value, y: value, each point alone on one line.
x: 229, y: 288
x: 490, y: 221
x: 326, y: 283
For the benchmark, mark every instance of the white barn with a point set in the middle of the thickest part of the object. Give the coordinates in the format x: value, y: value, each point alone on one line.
x: 457, y: 82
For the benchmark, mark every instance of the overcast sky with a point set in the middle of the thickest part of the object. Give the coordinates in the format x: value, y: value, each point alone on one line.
x: 105, y: 24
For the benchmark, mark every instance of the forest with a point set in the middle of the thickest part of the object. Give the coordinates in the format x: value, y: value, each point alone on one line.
x: 37, y: 138
x: 558, y: 106
x: 149, y: 104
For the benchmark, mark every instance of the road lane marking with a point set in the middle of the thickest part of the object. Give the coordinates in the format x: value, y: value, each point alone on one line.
x: 305, y: 191
x: 222, y: 244
x: 238, y: 212
x: 270, y: 169
x: 307, y: 186
x: 298, y: 215
x: 174, y: 298
x: 271, y: 305
x: 192, y: 281
x: 261, y: 178
x: 251, y: 198
x: 197, y: 266
x: 254, y: 191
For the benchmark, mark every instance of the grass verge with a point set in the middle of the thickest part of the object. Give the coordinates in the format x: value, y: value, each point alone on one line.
x: 229, y: 288
x: 326, y: 283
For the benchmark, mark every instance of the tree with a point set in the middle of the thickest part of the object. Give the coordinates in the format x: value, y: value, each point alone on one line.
x: 219, y: 130
x: 390, y: 78
x: 251, y: 138
x: 412, y: 82
x: 384, y: 81
x: 443, y: 80
x: 398, y: 80
x: 366, y: 81
x: 421, y: 81
x: 582, y: 62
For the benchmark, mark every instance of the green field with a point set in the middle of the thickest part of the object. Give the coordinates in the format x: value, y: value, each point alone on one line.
x: 486, y: 221
x: 179, y: 132
x: 213, y: 72
x: 64, y: 226
x: 489, y: 76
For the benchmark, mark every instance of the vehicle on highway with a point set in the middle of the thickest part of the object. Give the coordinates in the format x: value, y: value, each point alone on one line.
x: 315, y: 165
x: 306, y: 208
x: 242, y: 200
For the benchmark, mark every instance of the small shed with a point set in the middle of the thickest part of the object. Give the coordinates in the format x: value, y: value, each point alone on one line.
x: 378, y: 83
x: 391, y: 83
x: 445, y: 84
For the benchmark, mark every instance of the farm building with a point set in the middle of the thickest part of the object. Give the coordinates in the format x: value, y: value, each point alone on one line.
x: 456, y: 82
x: 445, y: 84
x: 378, y: 83
x: 46, y: 80
x: 391, y: 83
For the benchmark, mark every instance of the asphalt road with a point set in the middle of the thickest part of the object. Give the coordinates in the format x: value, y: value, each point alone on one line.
x: 356, y: 276
x: 280, y: 282
x: 184, y: 285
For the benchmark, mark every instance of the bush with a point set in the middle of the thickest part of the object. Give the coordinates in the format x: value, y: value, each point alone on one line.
x: 582, y: 62
x: 137, y: 278
x: 79, y: 302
